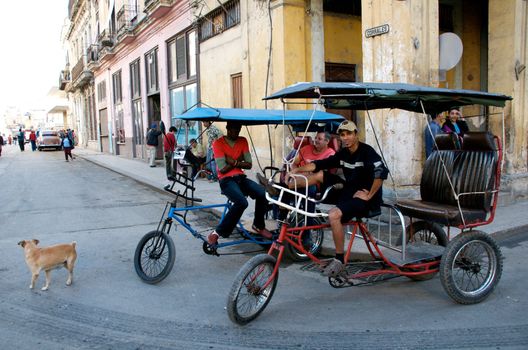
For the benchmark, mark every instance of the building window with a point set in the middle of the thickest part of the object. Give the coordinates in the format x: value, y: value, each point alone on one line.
x: 135, y: 93
x: 118, y: 107
x: 220, y: 19
x: 151, y: 68
x: 135, y: 80
x: 445, y: 18
x: 236, y: 90
x: 101, y: 92
x: 182, y: 57
x: 181, y: 99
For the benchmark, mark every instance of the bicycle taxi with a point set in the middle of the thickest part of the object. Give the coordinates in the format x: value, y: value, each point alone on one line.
x: 459, y: 189
x: 155, y: 252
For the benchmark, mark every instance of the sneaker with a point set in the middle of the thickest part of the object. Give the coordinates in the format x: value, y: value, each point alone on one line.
x: 268, y: 185
x: 263, y: 232
x: 212, y: 239
x: 334, y: 268
x: 152, y: 166
x: 171, y: 178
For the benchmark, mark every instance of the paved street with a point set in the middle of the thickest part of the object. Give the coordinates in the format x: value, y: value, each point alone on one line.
x: 109, y: 307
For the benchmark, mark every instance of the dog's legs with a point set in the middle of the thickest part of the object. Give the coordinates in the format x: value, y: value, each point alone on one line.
x: 48, y: 280
x: 69, y: 267
x: 34, y: 277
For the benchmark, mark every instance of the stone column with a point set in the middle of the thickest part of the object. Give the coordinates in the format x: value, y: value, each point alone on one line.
x: 317, y: 35
x: 408, y: 53
x: 508, y: 44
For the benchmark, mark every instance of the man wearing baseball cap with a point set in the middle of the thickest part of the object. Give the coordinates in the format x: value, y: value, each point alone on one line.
x: 364, y: 173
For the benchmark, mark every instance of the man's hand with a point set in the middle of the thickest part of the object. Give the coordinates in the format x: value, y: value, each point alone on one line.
x: 230, y: 160
x: 362, y: 194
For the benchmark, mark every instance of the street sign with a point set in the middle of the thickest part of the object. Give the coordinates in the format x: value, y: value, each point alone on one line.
x: 379, y: 30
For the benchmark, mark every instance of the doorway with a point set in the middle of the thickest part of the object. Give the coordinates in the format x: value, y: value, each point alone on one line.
x: 154, y: 117
x: 103, y: 130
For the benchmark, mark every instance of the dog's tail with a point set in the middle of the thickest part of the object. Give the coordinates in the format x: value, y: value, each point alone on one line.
x: 73, y: 244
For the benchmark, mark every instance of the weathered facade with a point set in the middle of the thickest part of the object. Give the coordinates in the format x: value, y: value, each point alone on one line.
x: 232, y: 53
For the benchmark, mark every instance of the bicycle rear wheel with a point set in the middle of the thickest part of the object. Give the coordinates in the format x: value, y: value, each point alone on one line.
x: 247, y: 297
x: 154, y: 257
x: 312, y: 240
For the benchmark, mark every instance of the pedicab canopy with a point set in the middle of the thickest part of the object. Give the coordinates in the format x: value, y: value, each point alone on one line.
x: 363, y: 96
x: 260, y: 116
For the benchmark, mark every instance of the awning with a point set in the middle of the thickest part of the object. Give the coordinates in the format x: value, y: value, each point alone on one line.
x: 260, y: 116
x: 362, y: 96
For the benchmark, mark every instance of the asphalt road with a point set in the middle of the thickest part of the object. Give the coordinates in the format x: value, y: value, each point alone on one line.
x: 109, y: 307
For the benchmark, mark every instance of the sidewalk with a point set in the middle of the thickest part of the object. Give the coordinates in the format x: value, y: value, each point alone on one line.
x: 509, y: 219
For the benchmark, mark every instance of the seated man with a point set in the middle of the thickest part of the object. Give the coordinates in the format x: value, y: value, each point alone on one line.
x: 364, y: 173
x: 307, y: 154
x: 195, y: 155
x: 231, y: 153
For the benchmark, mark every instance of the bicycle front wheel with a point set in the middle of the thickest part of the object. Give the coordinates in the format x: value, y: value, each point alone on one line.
x: 154, y: 257
x: 248, y: 297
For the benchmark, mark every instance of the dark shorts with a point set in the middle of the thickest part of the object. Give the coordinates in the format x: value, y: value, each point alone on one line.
x: 350, y: 207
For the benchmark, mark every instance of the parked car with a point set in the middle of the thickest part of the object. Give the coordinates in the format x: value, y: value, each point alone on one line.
x: 49, y: 139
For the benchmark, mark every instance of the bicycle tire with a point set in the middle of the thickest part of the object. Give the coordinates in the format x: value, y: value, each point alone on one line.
x: 258, y: 270
x: 463, y: 265
x: 154, y: 257
x: 315, y: 243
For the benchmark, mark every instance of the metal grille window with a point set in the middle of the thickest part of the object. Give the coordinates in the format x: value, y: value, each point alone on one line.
x: 220, y: 19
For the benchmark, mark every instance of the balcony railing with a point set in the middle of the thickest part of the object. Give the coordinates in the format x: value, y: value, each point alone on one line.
x: 106, y: 38
x: 157, y: 8
x: 64, y: 79
x: 80, y: 73
x: 126, y: 19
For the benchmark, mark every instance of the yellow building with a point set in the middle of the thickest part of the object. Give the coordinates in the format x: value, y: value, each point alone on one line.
x: 249, y: 49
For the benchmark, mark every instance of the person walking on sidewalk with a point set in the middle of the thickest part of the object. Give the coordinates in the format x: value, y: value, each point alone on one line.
x: 67, y: 146
x: 20, y: 137
x: 169, y: 146
x: 213, y: 134
x: 1, y: 144
x: 232, y: 156
x: 152, y: 143
x: 33, y: 140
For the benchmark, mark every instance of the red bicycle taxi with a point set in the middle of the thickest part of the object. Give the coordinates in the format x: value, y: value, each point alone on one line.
x: 459, y: 189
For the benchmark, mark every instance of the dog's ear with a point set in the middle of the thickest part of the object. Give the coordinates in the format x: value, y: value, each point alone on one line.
x: 36, y: 241
x: 22, y: 243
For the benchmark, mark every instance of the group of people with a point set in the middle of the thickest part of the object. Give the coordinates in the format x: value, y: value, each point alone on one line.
x: 363, y: 175
x: 194, y: 154
x: 438, y: 124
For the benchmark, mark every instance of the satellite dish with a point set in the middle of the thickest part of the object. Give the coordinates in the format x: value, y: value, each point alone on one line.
x: 450, y: 50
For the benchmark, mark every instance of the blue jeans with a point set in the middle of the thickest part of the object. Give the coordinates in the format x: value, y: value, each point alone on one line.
x: 211, y: 164
x: 236, y: 188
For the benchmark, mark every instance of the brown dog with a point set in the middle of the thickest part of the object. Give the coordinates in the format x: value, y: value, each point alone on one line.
x: 48, y: 258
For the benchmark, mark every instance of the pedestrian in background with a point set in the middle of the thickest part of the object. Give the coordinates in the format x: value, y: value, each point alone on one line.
x: 436, y: 128
x: 169, y: 146
x: 33, y: 140
x: 213, y: 134
x: 9, y: 139
x: 67, y: 146
x: 1, y: 144
x: 152, y: 143
x: 20, y: 137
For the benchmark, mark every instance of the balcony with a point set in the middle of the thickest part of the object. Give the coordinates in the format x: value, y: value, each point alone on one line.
x: 80, y: 74
x: 126, y: 22
x: 92, y: 57
x: 64, y: 79
x: 106, y: 42
x: 157, y: 8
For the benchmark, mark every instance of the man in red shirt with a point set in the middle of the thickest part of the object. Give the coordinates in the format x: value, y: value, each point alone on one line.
x: 231, y: 153
x: 169, y: 145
